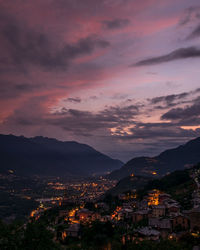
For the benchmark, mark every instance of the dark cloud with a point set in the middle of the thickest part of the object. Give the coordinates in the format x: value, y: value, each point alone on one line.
x: 29, y: 47
x: 24, y: 46
x: 169, y: 101
x: 115, y: 24
x: 82, y: 122
x: 157, y: 131
x: 74, y: 121
x: 74, y: 100
x: 79, y: 122
x: 13, y: 90
x: 195, y: 33
x: 182, y: 53
x: 184, y: 113
x: 122, y: 113
x: 169, y: 98
x: 197, y: 90
x: 107, y: 118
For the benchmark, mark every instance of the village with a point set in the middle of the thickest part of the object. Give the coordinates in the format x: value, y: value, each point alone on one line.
x: 156, y: 216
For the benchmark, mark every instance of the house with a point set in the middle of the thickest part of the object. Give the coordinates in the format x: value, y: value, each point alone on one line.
x: 84, y: 214
x: 102, y: 205
x: 173, y: 209
x: 180, y: 221
x: 140, y: 215
x: 153, y: 197
x: 143, y: 204
x: 135, y: 204
x: 95, y: 216
x: 169, y: 201
x: 127, y: 205
x: 73, y: 230
x: 158, y: 210
x: 160, y: 223
x: 163, y: 225
x: 126, y: 212
x: 63, y: 213
x: 105, y: 218
x: 194, y: 216
x: 122, y: 197
x: 120, y: 216
x: 196, y: 198
x: 164, y: 196
x: 146, y: 233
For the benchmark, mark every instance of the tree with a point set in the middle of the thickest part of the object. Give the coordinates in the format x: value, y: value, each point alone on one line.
x: 38, y: 237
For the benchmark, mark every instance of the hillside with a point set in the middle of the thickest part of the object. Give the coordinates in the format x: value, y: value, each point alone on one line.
x: 180, y: 184
x: 129, y: 183
x: 168, y: 161
x: 50, y: 157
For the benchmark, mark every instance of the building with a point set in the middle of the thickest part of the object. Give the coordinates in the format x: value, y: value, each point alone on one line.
x: 143, y: 204
x: 146, y: 233
x: 72, y: 231
x: 173, y: 209
x: 84, y: 215
x: 105, y: 218
x: 95, y: 216
x: 194, y: 216
x: 180, y: 222
x: 153, y: 197
x: 163, y: 196
x: 63, y: 213
x: 158, y: 210
x: 163, y: 225
x: 140, y: 215
x: 102, y: 205
x: 160, y: 223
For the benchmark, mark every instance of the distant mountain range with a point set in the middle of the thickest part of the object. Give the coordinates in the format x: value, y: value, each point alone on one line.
x: 49, y: 157
x: 168, y: 161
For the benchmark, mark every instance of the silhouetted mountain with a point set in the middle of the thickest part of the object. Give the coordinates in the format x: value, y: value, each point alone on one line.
x: 50, y: 157
x: 168, y: 161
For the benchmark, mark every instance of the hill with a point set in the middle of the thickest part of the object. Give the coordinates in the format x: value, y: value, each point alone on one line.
x: 180, y: 184
x: 49, y: 157
x: 128, y: 183
x: 168, y: 161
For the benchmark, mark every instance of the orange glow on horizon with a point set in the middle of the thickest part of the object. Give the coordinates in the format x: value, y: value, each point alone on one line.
x: 190, y: 127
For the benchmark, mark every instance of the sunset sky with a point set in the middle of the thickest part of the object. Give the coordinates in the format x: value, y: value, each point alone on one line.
x: 120, y: 75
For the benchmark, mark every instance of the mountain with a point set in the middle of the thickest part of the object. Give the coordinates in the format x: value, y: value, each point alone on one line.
x: 49, y: 157
x: 168, y: 161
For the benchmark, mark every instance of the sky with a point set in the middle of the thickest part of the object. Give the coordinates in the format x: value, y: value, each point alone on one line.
x: 119, y: 75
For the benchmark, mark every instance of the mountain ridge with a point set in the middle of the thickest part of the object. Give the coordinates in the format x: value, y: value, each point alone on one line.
x: 48, y: 156
x: 167, y: 161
